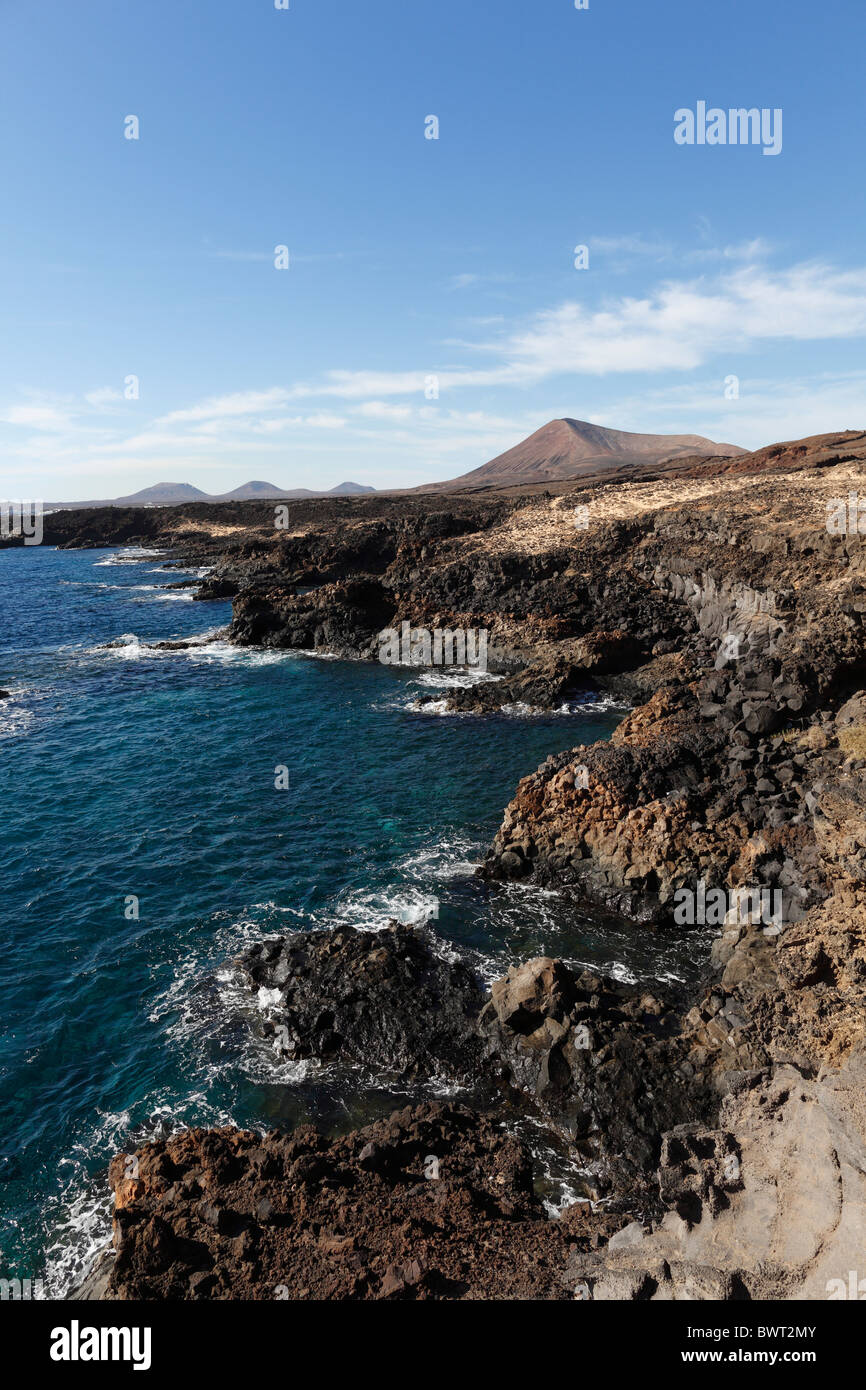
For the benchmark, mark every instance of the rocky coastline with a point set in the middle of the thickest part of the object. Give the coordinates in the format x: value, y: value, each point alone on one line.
x: 721, y: 1136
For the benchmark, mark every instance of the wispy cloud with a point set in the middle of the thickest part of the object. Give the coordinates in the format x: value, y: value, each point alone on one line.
x: 679, y: 326
x: 625, y: 251
x: 683, y: 336
x: 103, y: 396
x: 37, y: 417
x: 381, y: 410
x: 234, y: 404
x: 469, y: 279
x: 242, y: 255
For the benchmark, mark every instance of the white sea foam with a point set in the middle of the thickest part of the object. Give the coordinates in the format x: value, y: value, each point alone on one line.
x: 453, y: 856
x: 428, y: 707
x: 269, y: 998
x: 203, y: 646
x: 461, y: 678
x: 375, y: 910
x: 198, y: 570
x: 77, y: 1219
x: 118, y: 588
x: 207, y: 995
x: 15, y: 719
x: 558, y: 1175
x: 129, y: 555
x: 407, y: 701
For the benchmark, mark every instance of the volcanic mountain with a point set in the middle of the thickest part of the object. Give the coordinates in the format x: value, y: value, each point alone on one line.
x: 170, y: 494
x: 251, y: 491
x: 572, y: 448
x: 163, y: 494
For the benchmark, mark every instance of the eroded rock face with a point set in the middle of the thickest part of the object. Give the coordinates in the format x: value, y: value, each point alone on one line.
x: 342, y: 618
x: 682, y: 794
x: 770, y: 1206
x: 744, y: 764
x: 724, y: 609
x: 435, y: 1202
x: 604, y: 1063
x: 381, y: 999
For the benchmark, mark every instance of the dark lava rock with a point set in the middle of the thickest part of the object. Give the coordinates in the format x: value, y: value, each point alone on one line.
x: 603, y: 1062
x: 542, y: 685
x: 446, y: 1211
x: 216, y: 587
x: 383, y: 999
x: 343, y: 618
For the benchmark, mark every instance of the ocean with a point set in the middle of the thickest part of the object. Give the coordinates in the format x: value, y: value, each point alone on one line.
x: 143, y: 843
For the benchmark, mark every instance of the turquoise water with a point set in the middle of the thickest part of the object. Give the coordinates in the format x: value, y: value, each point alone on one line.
x: 128, y: 772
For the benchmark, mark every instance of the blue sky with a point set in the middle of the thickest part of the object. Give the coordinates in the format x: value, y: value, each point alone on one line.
x: 413, y: 258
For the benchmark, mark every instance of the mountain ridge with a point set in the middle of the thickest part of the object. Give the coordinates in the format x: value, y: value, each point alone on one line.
x: 173, y: 494
x: 566, y: 448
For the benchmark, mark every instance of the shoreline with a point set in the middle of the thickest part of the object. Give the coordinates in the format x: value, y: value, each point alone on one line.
x: 739, y: 769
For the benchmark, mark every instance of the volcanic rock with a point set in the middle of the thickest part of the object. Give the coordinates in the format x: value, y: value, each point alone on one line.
x: 446, y: 1211
x: 381, y: 999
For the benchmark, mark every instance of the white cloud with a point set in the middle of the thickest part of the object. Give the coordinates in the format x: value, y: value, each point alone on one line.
x: 634, y: 246
x: 684, y: 323
x: 381, y: 410
x: 766, y: 411
x: 678, y: 326
x: 712, y: 324
x: 243, y: 255
x: 324, y: 421
x: 104, y: 395
x: 237, y: 403
x: 355, y: 385
x: 37, y: 417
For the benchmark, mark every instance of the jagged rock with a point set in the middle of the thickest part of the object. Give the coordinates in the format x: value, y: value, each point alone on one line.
x: 736, y: 627
x: 381, y: 999
x: 601, y: 1061
x: 216, y: 586
x: 791, y: 1228
x: 229, y: 1214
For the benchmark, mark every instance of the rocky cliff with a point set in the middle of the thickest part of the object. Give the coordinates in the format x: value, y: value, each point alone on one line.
x: 725, y: 1132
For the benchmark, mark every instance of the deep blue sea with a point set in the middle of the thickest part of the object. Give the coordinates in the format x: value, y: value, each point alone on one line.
x: 128, y: 772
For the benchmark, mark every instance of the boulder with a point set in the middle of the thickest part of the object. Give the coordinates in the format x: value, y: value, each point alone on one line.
x: 384, y: 1000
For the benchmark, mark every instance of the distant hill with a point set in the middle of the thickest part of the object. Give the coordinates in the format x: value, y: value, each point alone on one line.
x: 171, y: 494
x: 250, y: 491
x: 571, y: 448
x: 163, y: 493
